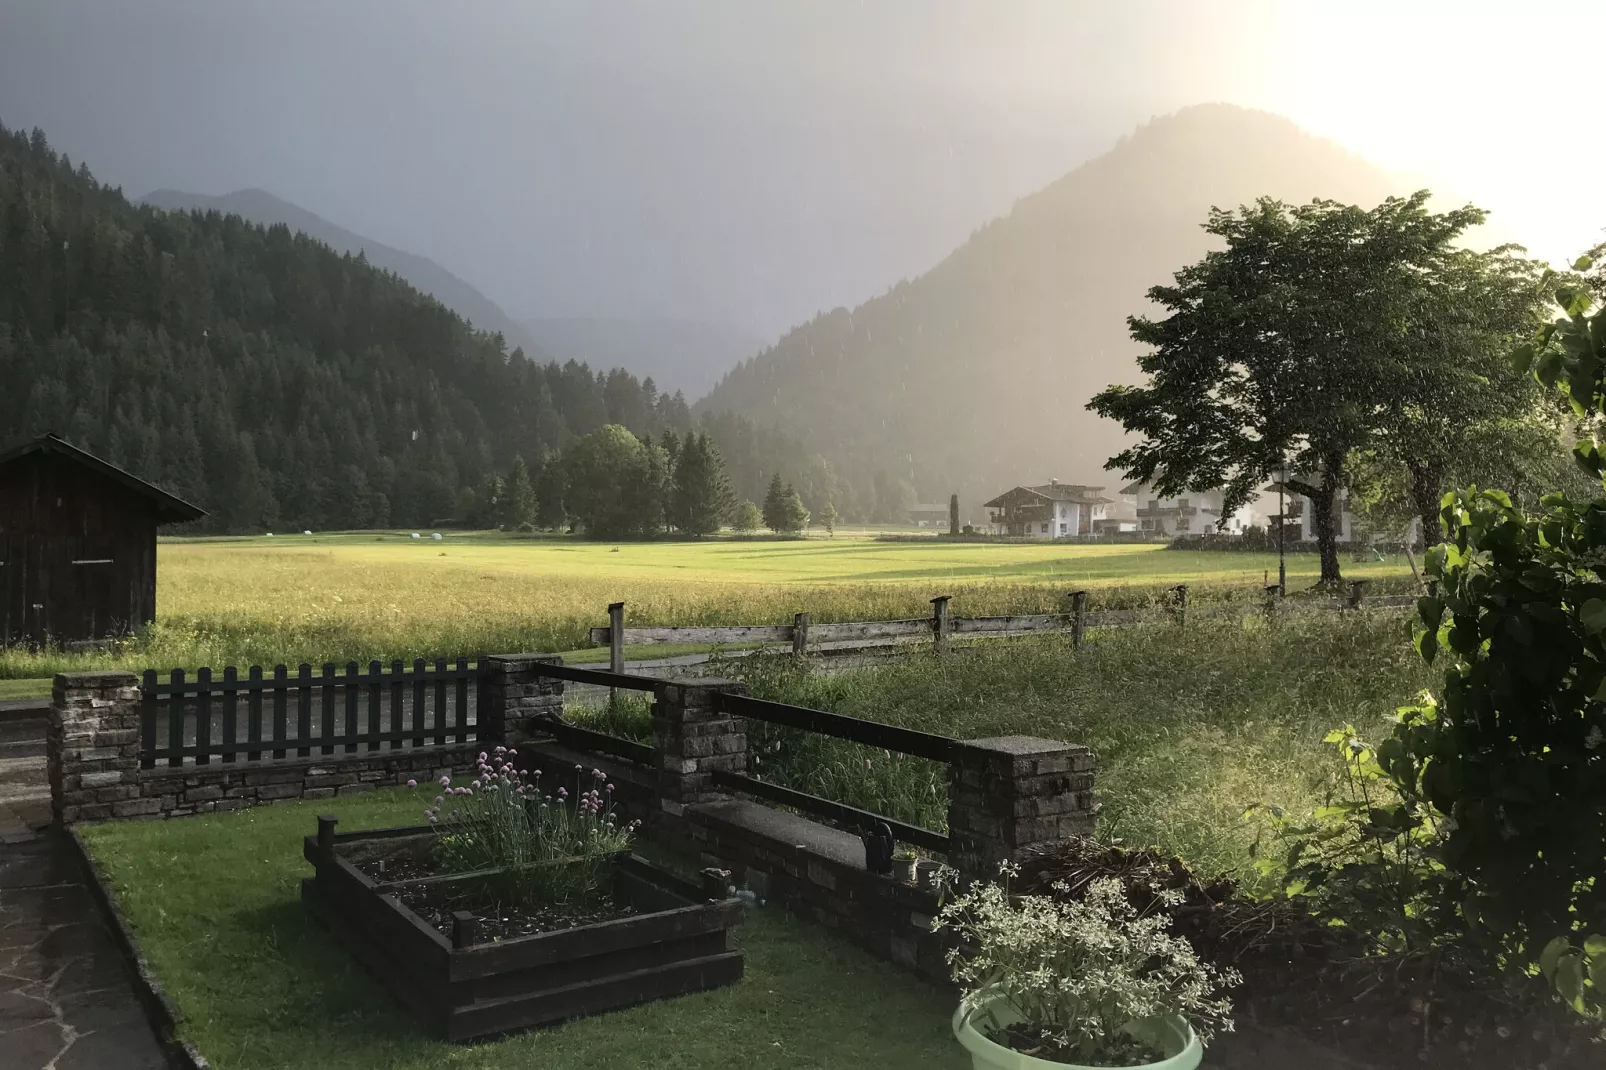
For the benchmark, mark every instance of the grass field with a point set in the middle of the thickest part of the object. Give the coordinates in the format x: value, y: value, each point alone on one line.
x: 384, y: 595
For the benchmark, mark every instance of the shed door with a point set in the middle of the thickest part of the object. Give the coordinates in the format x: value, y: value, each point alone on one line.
x: 13, y: 599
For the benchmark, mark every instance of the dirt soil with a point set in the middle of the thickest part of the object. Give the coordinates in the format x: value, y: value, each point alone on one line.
x: 1313, y: 980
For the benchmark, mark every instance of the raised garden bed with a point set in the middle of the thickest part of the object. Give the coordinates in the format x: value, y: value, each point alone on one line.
x: 466, y: 967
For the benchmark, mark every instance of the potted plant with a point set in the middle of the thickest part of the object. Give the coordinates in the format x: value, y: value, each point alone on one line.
x: 905, y: 864
x: 1054, y: 982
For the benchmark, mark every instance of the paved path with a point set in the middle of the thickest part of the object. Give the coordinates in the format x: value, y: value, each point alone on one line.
x: 66, y: 995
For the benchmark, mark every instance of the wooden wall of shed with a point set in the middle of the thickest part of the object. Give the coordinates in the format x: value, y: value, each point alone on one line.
x: 79, y: 553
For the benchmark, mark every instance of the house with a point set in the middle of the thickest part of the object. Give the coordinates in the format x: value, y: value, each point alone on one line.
x: 77, y: 545
x: 1301, y: 520
x: 1190, y: 513
x: 1053, y: 511
x: 929, y: 516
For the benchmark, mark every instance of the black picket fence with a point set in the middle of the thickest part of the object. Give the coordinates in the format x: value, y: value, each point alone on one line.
x: 283, y: 714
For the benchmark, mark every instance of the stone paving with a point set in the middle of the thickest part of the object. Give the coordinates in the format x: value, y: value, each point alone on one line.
x: 66, y: 995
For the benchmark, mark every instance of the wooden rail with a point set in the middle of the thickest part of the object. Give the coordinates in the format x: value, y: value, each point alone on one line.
x: 854, y: 729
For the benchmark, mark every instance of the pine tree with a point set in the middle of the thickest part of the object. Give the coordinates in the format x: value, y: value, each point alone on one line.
x: 518, y: 498
x: 828, y: 519
x: 701, y: 500
x: 748, y: 519
x: 783, y: 509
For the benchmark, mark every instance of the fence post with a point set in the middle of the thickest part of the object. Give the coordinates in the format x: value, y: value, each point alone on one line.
x: 939, y: 622
x: 92, y: 747
x: 1182, y: 604
x: 465, y: 929
x: 1078, y: 616
x: 800, y: 633
x: 692, y: 737
x: 616, y: 637
x: 512, y: 693
x: 326, y: 838
x: 1272, y: 592
x: 1008, y: 794
x: 1357, y: 593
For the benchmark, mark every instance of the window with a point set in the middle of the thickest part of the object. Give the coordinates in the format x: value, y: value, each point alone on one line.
x: 1064, y: 527
x: 1045, y: 529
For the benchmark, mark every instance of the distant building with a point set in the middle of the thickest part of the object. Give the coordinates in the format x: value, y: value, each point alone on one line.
x: 929, y: 516
x: 1301, y: 520
x: 77, y: 545
x: 1053, y: 511
x: 1192, y: 513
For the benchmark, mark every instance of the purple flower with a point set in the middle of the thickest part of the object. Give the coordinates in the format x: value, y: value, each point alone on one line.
x: 432, y: 819
x: 598, y: 773
x: 563, y: 793
x: 412, y: 783
x: 538, y: 774
x: 445, y: 780
x: 511, y: 752
x: 475, y: 784
x: 483, y: 756
x: 439, y: 800
x: 610, y: 787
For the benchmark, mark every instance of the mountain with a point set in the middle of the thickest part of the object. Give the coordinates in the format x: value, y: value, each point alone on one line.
x: 685, y: 355
x: 259, y: 373
x: 260, y: 206
x: 972, y: 377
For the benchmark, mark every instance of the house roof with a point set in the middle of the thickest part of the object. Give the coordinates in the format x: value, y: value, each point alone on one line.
x: 1058, y: 492
x: 167, y: 508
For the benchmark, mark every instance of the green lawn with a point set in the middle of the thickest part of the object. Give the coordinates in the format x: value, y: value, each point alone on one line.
x: 26, y: 688
x: 214, y: 902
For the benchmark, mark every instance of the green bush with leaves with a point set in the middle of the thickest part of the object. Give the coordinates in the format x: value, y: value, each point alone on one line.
x: 1509, y: 766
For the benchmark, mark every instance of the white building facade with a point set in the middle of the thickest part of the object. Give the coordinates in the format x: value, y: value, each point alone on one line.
x: 1052, y: 511
x: 1192, y: 513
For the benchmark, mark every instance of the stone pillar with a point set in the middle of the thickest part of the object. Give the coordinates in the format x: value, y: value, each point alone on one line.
x: 512, y: 692
x: 1008, y: 794
x: 691, y: 739
x: 92, y: 747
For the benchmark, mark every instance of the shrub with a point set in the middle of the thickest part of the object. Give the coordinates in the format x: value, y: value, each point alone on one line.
x: 1074, y: 975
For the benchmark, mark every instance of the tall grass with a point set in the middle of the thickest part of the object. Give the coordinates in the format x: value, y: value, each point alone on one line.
x: 355, y: 598
x: 1189, y: 726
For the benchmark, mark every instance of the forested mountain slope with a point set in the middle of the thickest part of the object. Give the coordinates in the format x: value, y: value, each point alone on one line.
x: 426, y: 276
x: 257, y: 372
x: 973, y: 377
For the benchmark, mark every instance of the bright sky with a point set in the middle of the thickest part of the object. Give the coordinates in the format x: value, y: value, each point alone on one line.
x: 1495, y: 98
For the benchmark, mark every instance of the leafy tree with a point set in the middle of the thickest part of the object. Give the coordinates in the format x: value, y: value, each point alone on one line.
x: 701, y: 499
x: 1295, y: 341
x: 828, y: 519
x: 783, y: 509
x: 608, y: 473
x: 517, y: 505
x: 747, y: 519
x: 551, y: 486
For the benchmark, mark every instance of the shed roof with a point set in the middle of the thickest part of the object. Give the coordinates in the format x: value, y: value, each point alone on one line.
x: 167, y: 508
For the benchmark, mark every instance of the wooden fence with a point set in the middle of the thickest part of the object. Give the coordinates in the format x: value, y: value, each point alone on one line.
x: 282, y: 714
x: 803, y: 634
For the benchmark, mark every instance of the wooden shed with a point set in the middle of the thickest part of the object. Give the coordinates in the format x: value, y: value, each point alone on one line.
x: 77, y: 545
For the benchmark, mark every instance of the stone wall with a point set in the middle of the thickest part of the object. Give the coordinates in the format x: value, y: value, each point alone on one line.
x: 199, y: 789
x: 92, y: 745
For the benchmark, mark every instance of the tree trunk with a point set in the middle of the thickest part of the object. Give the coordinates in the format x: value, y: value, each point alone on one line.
x: 1322, y: 499
x: 1426, y: 491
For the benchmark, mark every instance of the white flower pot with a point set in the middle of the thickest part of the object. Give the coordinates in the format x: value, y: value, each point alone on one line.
x: 1171, y: 1035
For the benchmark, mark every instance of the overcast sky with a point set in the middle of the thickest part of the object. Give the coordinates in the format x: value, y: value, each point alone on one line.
x: 755, y: 161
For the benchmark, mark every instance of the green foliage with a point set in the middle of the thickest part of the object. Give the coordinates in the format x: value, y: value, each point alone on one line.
x: 783, y: 509
x: 747, y: 519
x: 1301, y: 340
x: 828, y: 519
x: 1578, y: 973
x: 610, y: 480
x: 1067, y: 980
x: 1362, y: 861
x: 516, y: 506
x: 701, y: 499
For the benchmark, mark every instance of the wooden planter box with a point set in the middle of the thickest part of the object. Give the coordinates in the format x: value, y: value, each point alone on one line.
x: 679, y: 943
